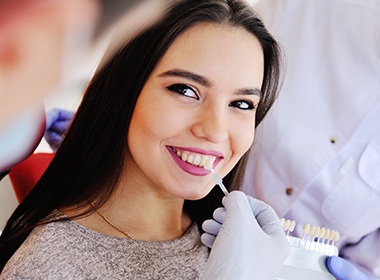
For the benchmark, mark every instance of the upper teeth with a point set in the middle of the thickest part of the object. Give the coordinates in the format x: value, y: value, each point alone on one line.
x: 196, y: 159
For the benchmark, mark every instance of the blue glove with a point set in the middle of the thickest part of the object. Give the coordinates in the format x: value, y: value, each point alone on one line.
x: 343, y: 270
x: 57, y: 122
x: 246, y: 238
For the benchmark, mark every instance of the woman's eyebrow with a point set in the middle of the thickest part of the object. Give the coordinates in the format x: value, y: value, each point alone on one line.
x: 205, y: 82
x: 188, y: 75
x: 249, y: 91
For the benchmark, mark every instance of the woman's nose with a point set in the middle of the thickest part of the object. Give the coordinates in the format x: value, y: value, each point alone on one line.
x: 212, y: 125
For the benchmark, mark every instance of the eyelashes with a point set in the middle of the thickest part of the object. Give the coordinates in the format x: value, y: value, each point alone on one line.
x: 190, y: 92
x: 243, y: 105
x: 184, y: 90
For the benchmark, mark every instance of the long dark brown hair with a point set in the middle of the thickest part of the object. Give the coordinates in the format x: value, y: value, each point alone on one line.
x: 89, y: 161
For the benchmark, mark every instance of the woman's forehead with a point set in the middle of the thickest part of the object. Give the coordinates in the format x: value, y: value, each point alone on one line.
x: 211, y: 49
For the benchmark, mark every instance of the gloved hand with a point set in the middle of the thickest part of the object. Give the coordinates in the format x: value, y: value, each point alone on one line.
x: 246, y: 238
x: 57, y: 122
x: 344, y: 270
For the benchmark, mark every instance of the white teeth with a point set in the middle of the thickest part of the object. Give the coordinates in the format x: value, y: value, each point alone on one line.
x: 184, y: 156
x: 190, y: 158
x: 196, y: 159
x: 203, y: 161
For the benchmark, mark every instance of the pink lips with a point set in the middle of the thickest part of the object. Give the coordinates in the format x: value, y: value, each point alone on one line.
x: 189, y: 168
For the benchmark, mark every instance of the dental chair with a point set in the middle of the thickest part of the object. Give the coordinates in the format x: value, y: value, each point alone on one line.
x: 25, y: 174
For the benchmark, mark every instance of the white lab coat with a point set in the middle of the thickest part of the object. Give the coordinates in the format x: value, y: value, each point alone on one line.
x: 316, y: 157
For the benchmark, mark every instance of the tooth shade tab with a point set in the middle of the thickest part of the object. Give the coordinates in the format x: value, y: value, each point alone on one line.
x: 336, y: 236
x: 286, y: 225
x: 306, y: 229
x: 209, y: 163
x: 203, y: 161
x: 312, y: 230
x: 292, y: 226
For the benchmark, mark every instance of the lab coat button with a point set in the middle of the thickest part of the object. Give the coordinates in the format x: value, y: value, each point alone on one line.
x: 289, y: 191
x: 333, y: 140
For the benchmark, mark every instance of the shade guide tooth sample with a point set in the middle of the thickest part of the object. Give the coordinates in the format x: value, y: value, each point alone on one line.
x: 217, y: 179
x: 308, y: 253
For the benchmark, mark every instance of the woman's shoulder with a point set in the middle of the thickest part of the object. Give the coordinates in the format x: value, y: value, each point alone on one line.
x: 68, y: 250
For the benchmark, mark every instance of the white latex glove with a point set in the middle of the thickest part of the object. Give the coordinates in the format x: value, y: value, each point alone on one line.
x: 246, y: 238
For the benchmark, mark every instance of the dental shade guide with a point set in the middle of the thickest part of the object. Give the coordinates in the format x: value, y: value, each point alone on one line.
x: 313, y: 238
x: 217, y: 179
x: 308, y: 253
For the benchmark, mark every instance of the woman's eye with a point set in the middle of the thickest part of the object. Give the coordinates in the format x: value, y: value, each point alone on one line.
x: 184, y: 90
x: 243, y: 105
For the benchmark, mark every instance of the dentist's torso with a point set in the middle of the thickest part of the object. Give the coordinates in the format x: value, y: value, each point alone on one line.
x: 316, y: 157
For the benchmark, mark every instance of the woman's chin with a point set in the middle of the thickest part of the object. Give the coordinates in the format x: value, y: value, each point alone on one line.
x: 198, y: 195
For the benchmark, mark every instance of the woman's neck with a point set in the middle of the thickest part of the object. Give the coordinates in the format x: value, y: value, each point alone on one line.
x: 142, y: 214
x: 147, y: 216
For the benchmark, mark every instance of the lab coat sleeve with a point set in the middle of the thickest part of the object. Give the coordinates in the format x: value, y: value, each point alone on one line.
x: 365, y: 254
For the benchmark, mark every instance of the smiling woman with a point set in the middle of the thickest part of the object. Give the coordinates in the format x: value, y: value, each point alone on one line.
x: 127, y: 191
x: 208, y: 110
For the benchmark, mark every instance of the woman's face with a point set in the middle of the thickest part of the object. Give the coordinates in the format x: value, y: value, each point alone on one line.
x: 197, y: 106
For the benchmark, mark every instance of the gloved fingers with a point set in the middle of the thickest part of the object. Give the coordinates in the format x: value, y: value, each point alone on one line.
x: 236, y: 201
x: 237, y: 205
x: 239, y: 217
x: 256, y: 205
x: 51, y: 116
x: 53, y: 139
x: 344, y: 270
x: 208, y: 239
x: 241, y: 249
x: 219, y: 214
x: 56, y: 114
x: 65, y: 115
x: 211, y: 226
x: 60, y: 126
x: 265, y: 216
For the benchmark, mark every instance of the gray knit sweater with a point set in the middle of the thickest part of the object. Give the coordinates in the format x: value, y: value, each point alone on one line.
x: 67, y: 250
